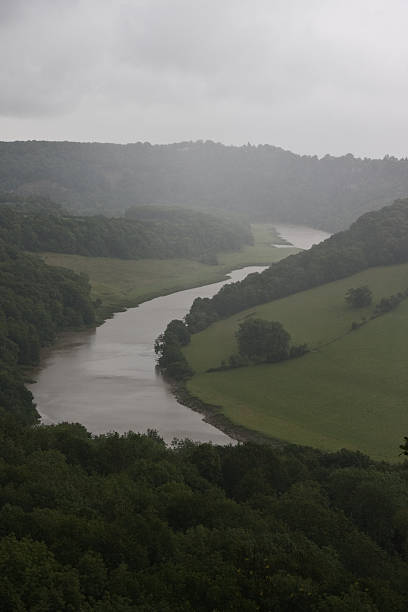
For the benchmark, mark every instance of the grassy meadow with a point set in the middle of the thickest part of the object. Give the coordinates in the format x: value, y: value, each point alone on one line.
x: 122, y: 283
x: 350, y: 391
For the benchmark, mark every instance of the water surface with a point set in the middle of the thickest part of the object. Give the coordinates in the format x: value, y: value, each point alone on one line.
x: 300, y: 236
x: 106, y: 378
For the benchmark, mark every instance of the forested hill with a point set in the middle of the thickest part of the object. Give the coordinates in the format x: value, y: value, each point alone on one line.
x: 264, y: 181
x: 169, y: 233
x: 375, y: 239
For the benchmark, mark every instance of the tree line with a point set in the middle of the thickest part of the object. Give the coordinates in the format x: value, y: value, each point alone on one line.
x: 164, y: 233
x: 375, y: 239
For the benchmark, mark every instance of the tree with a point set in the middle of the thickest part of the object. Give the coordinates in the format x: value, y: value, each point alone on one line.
x: 168, y: 347
x: 263, y: 340
x: 359, y: 297
x: 179, y: 330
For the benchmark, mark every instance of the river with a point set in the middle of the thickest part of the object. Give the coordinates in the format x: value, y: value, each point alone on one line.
x: 106, y: 378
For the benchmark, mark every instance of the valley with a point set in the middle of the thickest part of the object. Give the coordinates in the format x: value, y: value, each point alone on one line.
x: 106, y: 378
x: 125, y: 283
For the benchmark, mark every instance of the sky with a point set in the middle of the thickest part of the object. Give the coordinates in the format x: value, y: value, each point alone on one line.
x: 311, y: 76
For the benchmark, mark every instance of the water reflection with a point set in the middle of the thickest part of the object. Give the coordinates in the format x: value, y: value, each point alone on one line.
x: 106, y: 378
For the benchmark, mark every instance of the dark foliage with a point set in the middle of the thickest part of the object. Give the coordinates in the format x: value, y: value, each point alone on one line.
x: 377, y: 238
x: 41, y: 226
x: 123, y: 523
x: 264, y: 181
x: 171, y: 360
x: 387, y: 304
x: 358, y: 297
x: 177, y: 331
x: 263, y: 341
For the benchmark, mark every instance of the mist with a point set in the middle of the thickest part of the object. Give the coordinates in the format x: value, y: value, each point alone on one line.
x: 317, y: 77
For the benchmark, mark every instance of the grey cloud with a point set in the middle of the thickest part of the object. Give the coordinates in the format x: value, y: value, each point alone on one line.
x: 10, y: 10
x: 312, y: 76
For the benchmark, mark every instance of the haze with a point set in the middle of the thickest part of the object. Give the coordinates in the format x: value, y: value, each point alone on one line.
x: 317, y: 77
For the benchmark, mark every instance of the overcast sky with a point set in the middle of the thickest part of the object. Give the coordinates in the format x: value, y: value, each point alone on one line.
x: 312, y: 76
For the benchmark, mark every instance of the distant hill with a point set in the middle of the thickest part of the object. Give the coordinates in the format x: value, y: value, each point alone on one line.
x: 266, y: 182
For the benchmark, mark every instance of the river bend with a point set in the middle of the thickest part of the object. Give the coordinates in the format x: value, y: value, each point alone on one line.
x: 106, y: 378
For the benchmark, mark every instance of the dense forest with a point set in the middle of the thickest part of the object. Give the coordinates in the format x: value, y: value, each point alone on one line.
x: 123, y: 523
x: 36, y: 302
x: 264, y: 181
x: 36, y: 224
x: 375, y: 239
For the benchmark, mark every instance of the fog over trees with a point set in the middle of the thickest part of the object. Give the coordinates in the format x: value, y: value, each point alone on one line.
x: 263, y: 182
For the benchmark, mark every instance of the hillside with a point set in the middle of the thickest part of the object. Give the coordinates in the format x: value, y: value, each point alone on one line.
x: 317, y: 316
x: 349, y: 391
x: 266, y: 182
x: 375, y: 239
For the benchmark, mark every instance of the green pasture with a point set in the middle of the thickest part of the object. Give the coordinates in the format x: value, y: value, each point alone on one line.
x: 122, y: 283
x: 351, y: 391
x: 317, y: 316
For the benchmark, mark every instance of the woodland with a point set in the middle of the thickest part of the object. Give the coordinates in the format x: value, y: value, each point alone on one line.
x: 36, y: 224
x: 264, y: 182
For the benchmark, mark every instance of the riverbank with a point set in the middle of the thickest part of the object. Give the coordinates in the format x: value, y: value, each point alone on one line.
x: 119, y: 284
x: 214, y: 416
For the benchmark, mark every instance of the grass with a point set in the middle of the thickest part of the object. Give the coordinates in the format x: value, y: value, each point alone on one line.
x: 122, y: 283
x: 350, y: 391
x: 316, y: 317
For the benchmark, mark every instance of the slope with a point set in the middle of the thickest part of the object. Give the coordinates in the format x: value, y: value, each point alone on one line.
x: 350, y: 391
x: 375, y: 239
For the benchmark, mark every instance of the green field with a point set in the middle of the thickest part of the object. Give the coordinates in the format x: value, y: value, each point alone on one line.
x: 122, y: 283
x: 350, y: 391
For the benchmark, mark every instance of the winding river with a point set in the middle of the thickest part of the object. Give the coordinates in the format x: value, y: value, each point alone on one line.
x: 106, y: 378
